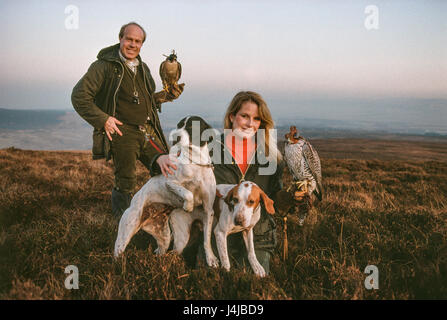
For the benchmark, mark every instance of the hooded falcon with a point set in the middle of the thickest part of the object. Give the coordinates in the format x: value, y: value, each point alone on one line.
x: 170, y: 71
x: 304, y: 166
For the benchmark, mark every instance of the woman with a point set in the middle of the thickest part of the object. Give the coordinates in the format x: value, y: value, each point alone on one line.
x: 254, y: 157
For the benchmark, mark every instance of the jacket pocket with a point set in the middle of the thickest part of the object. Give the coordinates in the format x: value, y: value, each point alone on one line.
x: 101, y: 146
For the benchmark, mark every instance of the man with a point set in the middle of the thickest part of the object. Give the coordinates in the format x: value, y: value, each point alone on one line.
x: 117, y: 97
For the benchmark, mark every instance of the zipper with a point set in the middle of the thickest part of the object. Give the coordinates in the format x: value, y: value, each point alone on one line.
x: 117, y: 88
x: 152, y: 102
x: 145, y: 88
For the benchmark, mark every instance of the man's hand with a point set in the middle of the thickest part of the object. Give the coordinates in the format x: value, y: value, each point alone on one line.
x: 111, y: 127
x: 165, y: 161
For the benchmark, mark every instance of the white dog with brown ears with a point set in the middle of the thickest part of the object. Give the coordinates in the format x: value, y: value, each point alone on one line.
x: 237, y: 208
x: 240, y: 210
x: 192, y: 184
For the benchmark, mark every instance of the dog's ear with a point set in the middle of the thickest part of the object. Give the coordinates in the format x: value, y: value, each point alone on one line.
x: 223, y: 190
x: 229, y: 198
x: 181, y: 123
x: 268, y: 203
x: 204, y: 125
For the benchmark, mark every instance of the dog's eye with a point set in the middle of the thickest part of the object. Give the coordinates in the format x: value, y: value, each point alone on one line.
x: 235, y: 200
x: 251, y: 202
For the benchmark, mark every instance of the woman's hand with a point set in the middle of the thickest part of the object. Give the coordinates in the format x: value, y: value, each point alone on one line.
x: 166, y: 162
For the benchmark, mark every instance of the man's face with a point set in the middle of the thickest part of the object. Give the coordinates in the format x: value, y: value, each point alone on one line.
x: 131, y: 42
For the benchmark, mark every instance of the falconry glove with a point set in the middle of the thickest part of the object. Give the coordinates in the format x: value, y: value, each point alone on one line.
x: 166, y: 96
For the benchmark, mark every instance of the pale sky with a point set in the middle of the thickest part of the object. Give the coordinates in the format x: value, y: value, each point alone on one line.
x: 289, y: 51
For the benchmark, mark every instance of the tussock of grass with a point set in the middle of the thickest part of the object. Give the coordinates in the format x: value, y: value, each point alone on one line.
x: 55, y: 211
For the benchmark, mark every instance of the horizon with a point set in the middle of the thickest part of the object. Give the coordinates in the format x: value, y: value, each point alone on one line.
x: 44, y: 119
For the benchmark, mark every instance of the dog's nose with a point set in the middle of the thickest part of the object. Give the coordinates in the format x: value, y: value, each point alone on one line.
x: 239, y: 220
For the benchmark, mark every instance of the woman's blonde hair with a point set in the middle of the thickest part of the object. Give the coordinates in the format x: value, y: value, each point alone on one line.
x: 267, y: 123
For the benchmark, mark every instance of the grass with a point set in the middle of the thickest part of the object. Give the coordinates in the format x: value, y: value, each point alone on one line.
x: 55, y: 211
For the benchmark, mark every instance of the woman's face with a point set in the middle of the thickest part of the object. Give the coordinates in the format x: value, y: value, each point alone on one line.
x: 247, y: 120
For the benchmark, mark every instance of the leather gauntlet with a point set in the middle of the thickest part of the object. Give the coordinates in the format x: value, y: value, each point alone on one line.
x: 171, y: 94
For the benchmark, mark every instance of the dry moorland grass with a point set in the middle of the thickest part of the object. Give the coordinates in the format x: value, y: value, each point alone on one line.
x: 55, y: 211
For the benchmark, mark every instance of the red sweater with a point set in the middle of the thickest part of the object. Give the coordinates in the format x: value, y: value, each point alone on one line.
x: 242, y: 151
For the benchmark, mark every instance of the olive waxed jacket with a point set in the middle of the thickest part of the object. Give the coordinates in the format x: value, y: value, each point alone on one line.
x: 94, y: 97
x: 227, y: 171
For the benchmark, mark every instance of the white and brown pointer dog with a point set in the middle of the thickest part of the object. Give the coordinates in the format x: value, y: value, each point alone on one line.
x: 240, y: 209
x: 237, y: 208
x: 192, y: 184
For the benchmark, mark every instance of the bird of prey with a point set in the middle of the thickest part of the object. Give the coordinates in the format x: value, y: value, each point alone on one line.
x: 170, y: 72
x: 304, y: 166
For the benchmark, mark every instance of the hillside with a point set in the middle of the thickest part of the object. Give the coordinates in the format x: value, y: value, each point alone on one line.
x: 384, y: 206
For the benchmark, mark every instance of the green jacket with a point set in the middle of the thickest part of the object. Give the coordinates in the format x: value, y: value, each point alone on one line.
x: 94, y: 97
x: 229, y: 173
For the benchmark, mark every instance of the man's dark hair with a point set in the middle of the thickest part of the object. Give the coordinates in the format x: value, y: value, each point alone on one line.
x: 121, y: 34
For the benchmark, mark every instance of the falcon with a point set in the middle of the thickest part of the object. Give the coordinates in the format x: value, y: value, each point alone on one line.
x: 170, y: 72
x: 304, y: 166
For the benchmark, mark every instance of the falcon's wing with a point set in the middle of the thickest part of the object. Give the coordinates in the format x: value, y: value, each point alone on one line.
x: 161, y: 71
x: 313, y: 161
x: 292, y: 157
x: 179, y: 70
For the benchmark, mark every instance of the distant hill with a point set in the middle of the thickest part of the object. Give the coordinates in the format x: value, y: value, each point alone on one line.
x: 66, y: 130
x: 44, y: 130
x: 29, y: 119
